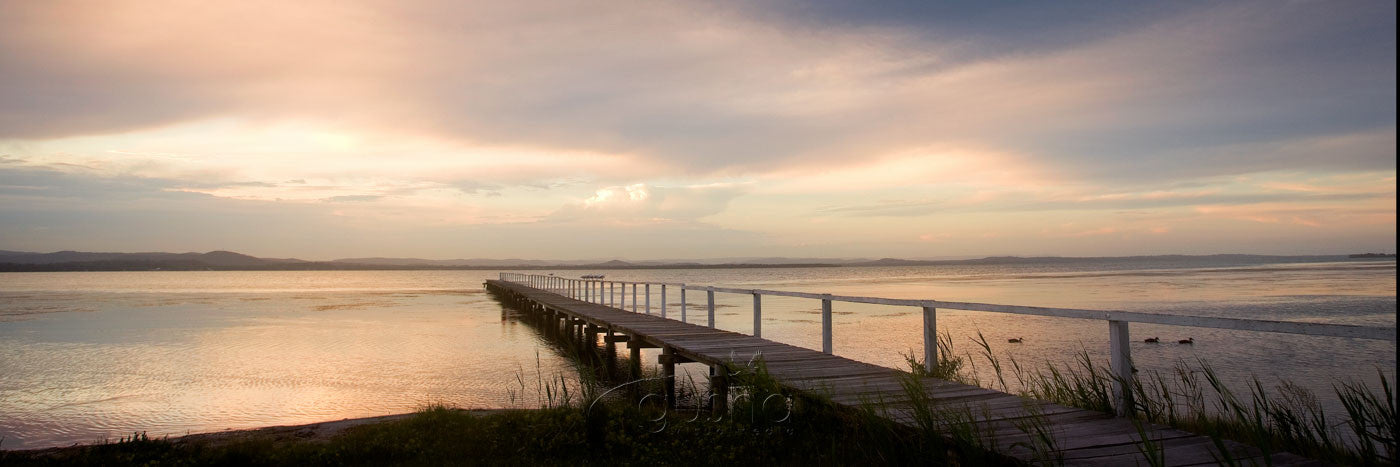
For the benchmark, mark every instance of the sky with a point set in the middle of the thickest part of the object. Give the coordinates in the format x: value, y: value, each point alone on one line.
x: 653, y: 129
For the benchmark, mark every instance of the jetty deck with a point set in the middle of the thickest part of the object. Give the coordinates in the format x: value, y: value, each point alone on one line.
x: 1081, y: 437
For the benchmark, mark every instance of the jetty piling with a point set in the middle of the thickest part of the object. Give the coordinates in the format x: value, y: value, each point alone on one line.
x: 584, y: 306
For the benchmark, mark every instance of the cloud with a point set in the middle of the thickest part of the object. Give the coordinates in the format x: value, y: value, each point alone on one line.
x: 646, y: 204
x: 1146, y: 92
x: 800, y: 126
x: 353, y: 198
x: 48, y: 210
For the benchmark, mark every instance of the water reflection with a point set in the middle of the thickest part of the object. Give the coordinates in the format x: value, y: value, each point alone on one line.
x: 172, y: 364
x: 88, y: 356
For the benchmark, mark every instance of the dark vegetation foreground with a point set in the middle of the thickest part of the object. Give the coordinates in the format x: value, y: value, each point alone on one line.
x: 613, y: 434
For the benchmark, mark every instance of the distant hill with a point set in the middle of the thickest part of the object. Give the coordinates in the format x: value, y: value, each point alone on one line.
x: 486, y: 262
x: 213, y: 258
x: 19, y: 261
x: 473, y: 262
x: 228, y: 260
x: 1222, y: 258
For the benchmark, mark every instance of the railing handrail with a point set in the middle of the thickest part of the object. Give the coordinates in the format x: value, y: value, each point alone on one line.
x: 1120, y: 353
x: 1239, y: 324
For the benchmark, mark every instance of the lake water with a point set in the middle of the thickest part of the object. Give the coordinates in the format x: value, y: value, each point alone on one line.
x: 87, y: 356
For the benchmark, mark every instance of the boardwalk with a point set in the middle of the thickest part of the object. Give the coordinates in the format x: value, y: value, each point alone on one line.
x: 1082, y: 437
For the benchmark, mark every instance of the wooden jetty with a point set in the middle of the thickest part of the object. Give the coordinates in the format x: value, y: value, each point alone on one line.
x: 1082, y: 437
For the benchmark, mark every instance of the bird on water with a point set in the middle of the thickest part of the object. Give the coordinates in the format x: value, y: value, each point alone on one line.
x: 1189, y: 340
x: 1014, y: 340
x: 1152, y: 340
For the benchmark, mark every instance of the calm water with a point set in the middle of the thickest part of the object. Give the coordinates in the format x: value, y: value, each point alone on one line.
x: 89, y: 356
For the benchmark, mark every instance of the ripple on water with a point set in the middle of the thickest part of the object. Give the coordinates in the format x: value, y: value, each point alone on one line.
x: 172, y: 353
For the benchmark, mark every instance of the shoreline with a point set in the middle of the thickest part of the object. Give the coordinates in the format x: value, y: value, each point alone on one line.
x: 317, y: 431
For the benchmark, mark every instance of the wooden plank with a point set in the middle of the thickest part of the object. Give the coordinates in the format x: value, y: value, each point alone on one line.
x: 1176, y: 451
x: 1288, y: 327
x: 810, y: 367
x: 1083, y: 437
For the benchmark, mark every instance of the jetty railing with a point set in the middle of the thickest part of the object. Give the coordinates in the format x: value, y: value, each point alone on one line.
x: 605, y: 292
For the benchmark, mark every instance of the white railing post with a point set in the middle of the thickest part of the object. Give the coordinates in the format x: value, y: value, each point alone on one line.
x: 663, y: 300
x: 710, y: 297
x: 826, y: 324
x: 682, y: 303
x: 1121, y: 365
x: 930, y: 338
x: 622, y: 297
x: 634, y: 297
x: 757, y: 314
x: 612, y: 294
x: 648, y: 298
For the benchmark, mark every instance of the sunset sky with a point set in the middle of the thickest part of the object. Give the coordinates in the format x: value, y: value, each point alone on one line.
x: 645, y: 130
